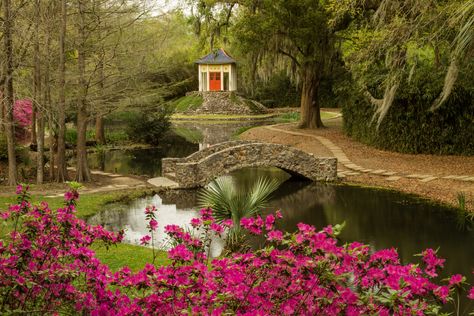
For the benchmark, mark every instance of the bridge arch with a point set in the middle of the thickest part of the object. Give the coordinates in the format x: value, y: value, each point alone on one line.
x: 190, y: 173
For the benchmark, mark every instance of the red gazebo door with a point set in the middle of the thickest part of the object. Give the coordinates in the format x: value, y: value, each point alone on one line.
x: 215, y: 81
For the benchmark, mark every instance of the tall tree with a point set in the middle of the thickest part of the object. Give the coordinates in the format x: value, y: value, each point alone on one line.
x: 61, y: 174
x: 82, y: 168
x: 8, y: 90
x: 38, y: 96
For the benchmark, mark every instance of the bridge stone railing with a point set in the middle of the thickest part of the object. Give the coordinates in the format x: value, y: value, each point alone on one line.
x: 222, y: 159
x: 168, y: 165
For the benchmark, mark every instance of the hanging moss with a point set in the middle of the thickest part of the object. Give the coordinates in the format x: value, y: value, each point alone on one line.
x: 410, y: 127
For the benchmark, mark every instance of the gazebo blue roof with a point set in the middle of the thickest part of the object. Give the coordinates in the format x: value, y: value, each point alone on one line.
x: 218, y: 57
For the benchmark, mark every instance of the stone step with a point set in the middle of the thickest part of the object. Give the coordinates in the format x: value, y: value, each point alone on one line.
x: 170, y: 175
x: 163, y: 182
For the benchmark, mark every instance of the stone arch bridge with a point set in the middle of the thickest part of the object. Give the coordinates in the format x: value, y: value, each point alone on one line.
x: 203, y: 166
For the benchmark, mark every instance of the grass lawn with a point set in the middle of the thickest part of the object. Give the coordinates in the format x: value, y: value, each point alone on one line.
x: 282, y: 118
x: 116, y: 256
x: 135, y: 257
x: 295, y: 116
x: 188, y: 102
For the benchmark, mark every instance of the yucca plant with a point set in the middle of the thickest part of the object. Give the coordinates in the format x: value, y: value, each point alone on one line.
x: 227, y: 202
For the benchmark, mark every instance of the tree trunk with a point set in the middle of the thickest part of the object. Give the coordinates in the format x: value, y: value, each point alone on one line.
x: 48, y: 106
x: 33, y: 123
x: 61, y: 155
x: 99, y: 130
x: 52, y: 145
x: 8, y: 118
x: 2, y: 106
x: 82, y: 168
x: 40, y: 155
x: 99, y: 120
x: 310, y: 110
x: 38, y: 96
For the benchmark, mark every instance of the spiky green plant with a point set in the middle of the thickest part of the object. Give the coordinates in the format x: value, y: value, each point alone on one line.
x: 228, y: 202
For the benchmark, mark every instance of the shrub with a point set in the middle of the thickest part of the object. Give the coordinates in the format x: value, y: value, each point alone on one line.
x: 410, y: 127
x: 46, y: 266
x: 71, y: 136
x: 149, y: 127
x: 116, y: 137
x: 278, y: 91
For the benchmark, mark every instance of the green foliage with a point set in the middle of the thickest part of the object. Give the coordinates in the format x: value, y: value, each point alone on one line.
x: 116, y: 137
x: 410, y: 127
x: 186, y: 103
x: 71, y: 135
x: 277, y: 91
x: 288, y: 117
x: 150, y: 126
x: 227, y: 202
x: 461, y: 201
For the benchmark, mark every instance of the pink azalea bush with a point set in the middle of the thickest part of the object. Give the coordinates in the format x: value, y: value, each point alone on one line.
x: 46, y: 265
x: 23, y: 113
x: 23, y: 117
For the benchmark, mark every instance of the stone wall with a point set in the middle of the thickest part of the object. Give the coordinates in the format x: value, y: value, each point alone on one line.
x: 168, y: 165
x: 226, y: 102
x: 198, y: 173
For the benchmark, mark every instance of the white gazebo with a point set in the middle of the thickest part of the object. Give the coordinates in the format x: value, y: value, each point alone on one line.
x: 217, y: 72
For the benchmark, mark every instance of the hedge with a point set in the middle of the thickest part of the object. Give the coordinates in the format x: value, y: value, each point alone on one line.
x: 410, y: 127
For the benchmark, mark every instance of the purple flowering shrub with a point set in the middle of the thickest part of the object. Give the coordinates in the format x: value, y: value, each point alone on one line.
x: 47, y: 265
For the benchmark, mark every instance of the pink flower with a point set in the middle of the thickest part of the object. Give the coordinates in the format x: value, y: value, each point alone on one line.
x: 456, y: 279
x: 471, y: 293
x: 180, y: 252
x: 150, y: 209
x: 432, y: 262
x: 19, y: 189
x: 228, y: 223
x: 275, y: 235
x: 269, y: 221
x: 278, y: 214
x: 153, y: 224
x: 4, y: 215
x: 195, y: 222
x: 206, y: 214
x: 145, y: 240
x: 217, y: 228
x: 442, y: 292
x: 71, y: 195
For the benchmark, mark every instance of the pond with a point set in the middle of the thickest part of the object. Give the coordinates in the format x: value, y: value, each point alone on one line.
x: 187, y: 138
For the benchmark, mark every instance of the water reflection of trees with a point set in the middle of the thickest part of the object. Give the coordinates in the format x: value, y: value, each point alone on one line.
x: 183, y: 199
x: 215, y: 132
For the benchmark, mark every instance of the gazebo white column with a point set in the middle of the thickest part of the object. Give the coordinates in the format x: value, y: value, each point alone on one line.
x: 208, y: 78
x: 222, y: 78
x: 200, y: 77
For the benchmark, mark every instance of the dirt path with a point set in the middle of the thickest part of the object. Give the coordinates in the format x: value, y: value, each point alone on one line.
x: 101, y: 182
x: 440, y: 178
